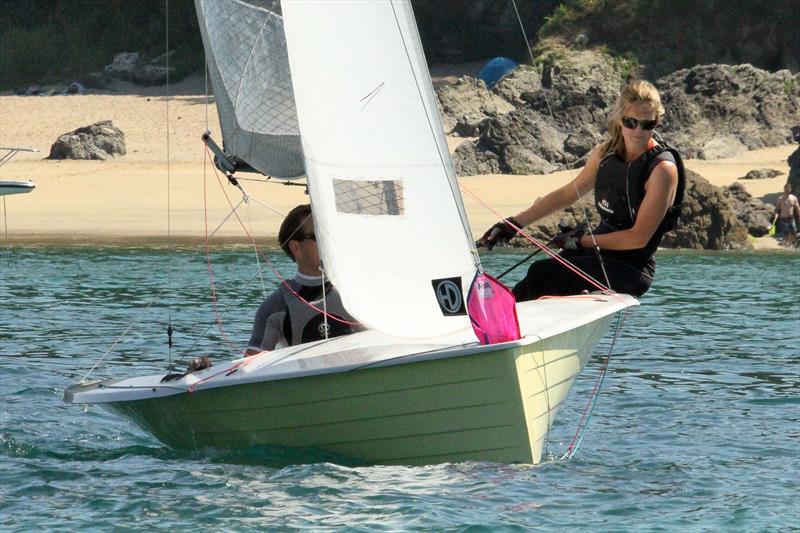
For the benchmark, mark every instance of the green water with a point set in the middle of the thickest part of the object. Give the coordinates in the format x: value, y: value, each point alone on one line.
x: 697, y: 427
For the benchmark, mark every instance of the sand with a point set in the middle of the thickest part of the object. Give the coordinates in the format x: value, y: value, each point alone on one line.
x: 125, y: 200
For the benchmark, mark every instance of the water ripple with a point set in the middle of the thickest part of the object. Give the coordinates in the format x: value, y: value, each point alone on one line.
x: 697, y: 427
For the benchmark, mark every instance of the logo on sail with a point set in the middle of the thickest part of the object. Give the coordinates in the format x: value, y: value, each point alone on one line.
x: 449, y: 295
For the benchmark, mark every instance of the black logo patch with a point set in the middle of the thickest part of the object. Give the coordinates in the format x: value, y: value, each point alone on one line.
x: 450, y: 296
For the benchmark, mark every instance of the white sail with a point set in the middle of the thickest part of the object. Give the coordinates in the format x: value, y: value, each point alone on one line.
x: 388, y: 214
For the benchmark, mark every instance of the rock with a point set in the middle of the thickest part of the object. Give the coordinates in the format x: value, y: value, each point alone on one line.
x: 465, y: 104
x: 32, y: 90
x: 98, y: 141
x: 470, y: 160
x: 721, y: 147
x: 794, y: 171
x: 794, y: 163
x: 76, y: 88
x: 753, y: 213
x: 715, y: 111
x: 761, y: 174
x: 708, y: 220
x: 124, y: 66
x: 96, y: 80
x: 712, y: 111
x: 128, y: 66
x: 515, y: 87
x: 578, y: 86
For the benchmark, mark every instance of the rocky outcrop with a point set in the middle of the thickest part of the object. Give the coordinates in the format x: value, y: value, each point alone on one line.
x: 752, y: 212
x: 467, y: 104
x: 712, y: 111
x: 794, y: 163
x: 98, y: 141
x: 794, y: 171
x: 715, y: 111
x: 708, y: 220
x: 579, y: 87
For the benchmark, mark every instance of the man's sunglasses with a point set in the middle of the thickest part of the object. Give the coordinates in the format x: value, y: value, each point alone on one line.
x: 631, y: 123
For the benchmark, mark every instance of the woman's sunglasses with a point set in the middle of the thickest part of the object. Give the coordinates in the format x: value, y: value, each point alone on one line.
x: 307, y: 237
x: 631, y: 123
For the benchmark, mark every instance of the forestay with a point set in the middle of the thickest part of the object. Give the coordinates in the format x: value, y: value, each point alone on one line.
x: 389, y: 218
x: 249, y: 71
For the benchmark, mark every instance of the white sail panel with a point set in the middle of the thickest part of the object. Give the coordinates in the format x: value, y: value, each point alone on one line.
x: 387, y: 210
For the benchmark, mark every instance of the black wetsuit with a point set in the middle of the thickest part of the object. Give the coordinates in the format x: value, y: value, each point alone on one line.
x: 619, y: 191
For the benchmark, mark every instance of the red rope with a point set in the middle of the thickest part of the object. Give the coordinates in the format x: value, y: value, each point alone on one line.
x: 217, y: 316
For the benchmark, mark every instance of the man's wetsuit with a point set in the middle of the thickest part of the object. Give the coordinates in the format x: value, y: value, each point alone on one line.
x: 285, y: 320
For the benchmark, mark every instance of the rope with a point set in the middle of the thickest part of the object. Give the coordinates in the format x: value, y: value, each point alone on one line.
x: 217, y: 316
x: 587, y: 411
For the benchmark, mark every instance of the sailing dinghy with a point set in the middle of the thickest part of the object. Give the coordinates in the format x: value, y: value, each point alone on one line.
x: 339, y: 92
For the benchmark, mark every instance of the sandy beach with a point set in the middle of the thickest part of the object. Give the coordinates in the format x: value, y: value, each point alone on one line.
x: 125, y: 200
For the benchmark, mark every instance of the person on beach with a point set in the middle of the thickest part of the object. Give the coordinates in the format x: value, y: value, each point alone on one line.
x: 638, y: 187
x: 787, y: 215
x: 291, y: 315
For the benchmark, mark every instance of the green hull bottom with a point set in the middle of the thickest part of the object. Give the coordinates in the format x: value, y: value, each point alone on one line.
x: 492, y: 406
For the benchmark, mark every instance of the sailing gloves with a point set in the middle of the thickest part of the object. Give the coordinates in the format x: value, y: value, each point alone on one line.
x: 500, y: 233
x: 568, y: 240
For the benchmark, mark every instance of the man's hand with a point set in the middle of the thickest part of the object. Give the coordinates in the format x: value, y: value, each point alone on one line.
x: 199, y: 363
x: 500, y: 233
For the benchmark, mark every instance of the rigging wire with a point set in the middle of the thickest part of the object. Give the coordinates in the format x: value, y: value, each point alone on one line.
x: 169, y: 193
x: 583, y: 424
x: 569, y: 165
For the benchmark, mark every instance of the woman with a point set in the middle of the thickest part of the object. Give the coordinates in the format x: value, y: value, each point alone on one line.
x: 638, y: 189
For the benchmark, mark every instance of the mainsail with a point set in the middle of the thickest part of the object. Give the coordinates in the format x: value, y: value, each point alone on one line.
x: 389, y: 218
x: 249, y: 71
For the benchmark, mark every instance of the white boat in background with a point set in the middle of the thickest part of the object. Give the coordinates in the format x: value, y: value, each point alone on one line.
x: 339, y: 92
x: 14, y: 187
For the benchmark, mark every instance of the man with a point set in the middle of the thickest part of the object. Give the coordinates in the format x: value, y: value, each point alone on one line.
x: 787, y: 213
x: 287, y: 317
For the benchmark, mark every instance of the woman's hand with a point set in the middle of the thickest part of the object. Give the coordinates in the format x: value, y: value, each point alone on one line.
x: 500, y: 233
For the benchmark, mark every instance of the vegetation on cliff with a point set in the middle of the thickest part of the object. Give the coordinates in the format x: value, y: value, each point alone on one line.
x: 45, y: 41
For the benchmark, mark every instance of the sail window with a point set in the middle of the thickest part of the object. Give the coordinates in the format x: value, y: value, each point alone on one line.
x: 374, y: 197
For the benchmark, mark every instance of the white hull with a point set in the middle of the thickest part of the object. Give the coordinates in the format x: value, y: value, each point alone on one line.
x: 15, y: 187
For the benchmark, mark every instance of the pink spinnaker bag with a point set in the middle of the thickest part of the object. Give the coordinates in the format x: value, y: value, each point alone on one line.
x: 492, y: 310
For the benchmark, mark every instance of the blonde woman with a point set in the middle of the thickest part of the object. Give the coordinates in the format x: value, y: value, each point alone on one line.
x: 638, y: 187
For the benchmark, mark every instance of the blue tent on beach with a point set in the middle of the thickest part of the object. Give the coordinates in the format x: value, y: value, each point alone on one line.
x: 496, y: 68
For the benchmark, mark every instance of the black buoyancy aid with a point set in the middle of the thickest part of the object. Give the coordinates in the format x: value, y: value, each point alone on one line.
x: 619, y: 192
x: 619, y: 188
x: 304, y: 323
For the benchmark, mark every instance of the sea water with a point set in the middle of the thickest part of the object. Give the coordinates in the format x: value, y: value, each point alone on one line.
x: 696, y: 428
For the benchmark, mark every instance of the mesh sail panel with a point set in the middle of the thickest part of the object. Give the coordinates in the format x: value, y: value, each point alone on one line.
x: 249, y: 70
